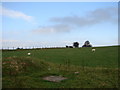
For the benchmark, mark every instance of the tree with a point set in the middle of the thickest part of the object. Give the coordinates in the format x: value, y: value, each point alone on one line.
x: 76, y: 44
x: 67, y: 46
x: 87, y: 44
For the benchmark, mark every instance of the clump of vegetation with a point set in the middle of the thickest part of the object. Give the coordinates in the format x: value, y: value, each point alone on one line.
x: 17, y: 65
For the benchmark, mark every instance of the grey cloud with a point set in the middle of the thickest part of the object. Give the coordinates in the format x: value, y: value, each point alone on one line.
x: 68, y: 23
x: 91, y: 18
x: 58, y: 28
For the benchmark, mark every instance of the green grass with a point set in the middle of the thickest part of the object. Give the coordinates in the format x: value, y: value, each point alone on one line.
x: 103, y: 57
x: 97, y: 69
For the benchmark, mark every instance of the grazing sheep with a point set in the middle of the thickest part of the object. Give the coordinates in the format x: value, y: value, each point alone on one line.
x: 76, y: 72
x: 93, y: 50
x: 29, y: 53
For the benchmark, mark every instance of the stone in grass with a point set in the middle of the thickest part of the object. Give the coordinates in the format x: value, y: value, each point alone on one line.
x: 54, y: 78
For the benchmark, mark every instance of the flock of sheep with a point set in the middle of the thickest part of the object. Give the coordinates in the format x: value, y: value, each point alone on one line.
x: 93, y: 50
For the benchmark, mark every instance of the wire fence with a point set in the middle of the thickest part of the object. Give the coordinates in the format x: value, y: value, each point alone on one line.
x: 21, y: 48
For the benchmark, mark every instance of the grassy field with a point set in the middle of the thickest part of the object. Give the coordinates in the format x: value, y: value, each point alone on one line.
x: 97, y: 69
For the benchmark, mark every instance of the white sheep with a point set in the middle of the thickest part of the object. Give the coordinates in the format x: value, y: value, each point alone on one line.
x: 29, y: 53
x: 93, y: 50
x: 76, y: 72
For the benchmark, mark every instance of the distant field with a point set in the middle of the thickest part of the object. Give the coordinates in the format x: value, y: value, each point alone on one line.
x: 102, y: 57
x: 97, y: 69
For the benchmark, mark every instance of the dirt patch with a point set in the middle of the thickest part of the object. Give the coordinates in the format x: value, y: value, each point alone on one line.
x: 54, y: 78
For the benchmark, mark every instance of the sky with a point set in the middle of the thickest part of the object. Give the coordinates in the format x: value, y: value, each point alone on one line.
x: 57, y: 24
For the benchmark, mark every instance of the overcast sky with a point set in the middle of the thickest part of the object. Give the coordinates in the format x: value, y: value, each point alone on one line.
x: 49, y: 24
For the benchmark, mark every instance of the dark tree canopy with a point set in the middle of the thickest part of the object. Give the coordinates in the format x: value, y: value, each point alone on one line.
x: 87, y: 44
x: 76, y: 44
x: 67, y: 46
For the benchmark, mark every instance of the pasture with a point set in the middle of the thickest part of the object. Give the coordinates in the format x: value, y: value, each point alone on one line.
x: 97, y: 69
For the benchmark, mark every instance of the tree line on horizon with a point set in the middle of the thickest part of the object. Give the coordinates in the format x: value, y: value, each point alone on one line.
x: 76, y: 45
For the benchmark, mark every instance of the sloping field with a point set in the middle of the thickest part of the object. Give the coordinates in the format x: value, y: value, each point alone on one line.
x: 82, y: 68
x: 102, y: 57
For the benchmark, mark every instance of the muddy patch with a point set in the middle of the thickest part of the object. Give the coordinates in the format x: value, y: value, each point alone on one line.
x: 54, y: 78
